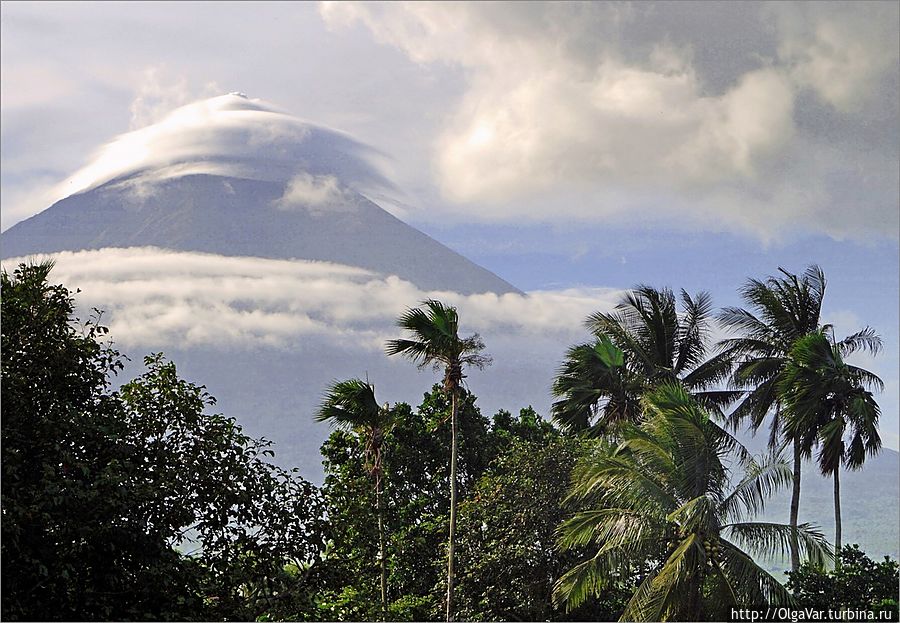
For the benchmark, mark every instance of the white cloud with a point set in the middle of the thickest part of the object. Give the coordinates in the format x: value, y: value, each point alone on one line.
x: 538, y: 114
x: 288, y: 310
x: 560, y: 110
x: 313, y: 192
x: 229, y: 135
x: 158, y: 298
x: 159, y: 93
x: 554, y: 112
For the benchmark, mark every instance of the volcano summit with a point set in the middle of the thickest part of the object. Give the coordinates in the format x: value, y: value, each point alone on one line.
x: 235, y: 176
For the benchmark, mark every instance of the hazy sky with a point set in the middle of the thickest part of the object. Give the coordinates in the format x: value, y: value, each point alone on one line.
x: 562, y: 145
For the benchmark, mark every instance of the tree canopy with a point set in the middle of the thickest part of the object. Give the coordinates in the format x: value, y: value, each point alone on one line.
x: 136, y: 503
x: 140, y: 502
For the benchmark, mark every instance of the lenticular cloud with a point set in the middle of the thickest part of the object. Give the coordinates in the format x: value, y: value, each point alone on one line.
x: 234, y: 136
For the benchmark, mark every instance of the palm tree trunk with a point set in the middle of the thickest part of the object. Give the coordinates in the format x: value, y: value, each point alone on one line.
x: 451, y: 549
x: 795, y: 508
x: 837, y: 517
x: 381, y: 546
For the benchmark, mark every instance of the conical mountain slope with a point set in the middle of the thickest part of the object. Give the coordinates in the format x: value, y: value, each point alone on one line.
x: 232, y: 176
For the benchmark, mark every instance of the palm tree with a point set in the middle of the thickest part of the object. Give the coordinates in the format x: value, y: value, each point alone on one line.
x: 828, y: 401
x: 660, y: 508
x: 643, y: 343
x: 786, y: 309
x: 351, y: 405
x: 435, y: 341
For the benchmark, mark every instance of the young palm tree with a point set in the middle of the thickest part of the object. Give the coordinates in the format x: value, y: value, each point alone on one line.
x: 826, y: 401
x: 645, y: 342
x: 785, y: 309
x: 435, y: 341
x: 351, y: 405
x: 594, y: 381
x: 659, y: 507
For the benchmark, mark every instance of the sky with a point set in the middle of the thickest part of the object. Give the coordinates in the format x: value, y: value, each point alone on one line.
x: 574, y: 149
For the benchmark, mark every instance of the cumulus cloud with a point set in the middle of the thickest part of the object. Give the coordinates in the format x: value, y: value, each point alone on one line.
x: 314, y: 192
x: 841, y: 51
x: 157, y: 298
x: 558, y: 102
x: 230, y: 135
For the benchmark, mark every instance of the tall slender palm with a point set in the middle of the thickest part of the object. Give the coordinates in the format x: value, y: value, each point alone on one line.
x: 643, y: 343
x: 351, y: 405
x: 660, y: 504
x: 784, y: 310
x: 828, y: 403
x: 435, y: 341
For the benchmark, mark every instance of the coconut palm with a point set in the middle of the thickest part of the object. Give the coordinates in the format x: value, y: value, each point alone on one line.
x: 659, y: 507
x: 435, y: 341
x: 828, y: 404
x: 593, y: 381
x: 643, y: 343
x: 784, y: 310
x: 351, y: 405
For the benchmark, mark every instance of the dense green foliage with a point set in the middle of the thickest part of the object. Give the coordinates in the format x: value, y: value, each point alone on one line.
x: 659, y: 506
x: 857, y: 583
x: 138, y: 503
x: 104, y: 490
x: 507, y: 558
x: 508, y: 527
x: 416, y: 509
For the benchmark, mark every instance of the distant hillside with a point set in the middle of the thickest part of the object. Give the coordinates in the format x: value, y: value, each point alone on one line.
x: 870, y: 504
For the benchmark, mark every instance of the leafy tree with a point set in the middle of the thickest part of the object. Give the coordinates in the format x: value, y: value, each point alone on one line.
x: 643, y: 343
x: 351, y: 405
x: 103, y: 491
x: 784, y: 310
x: 508, y: 528
x: 828, y: 403
x: 214, y: 492
x: 858, y: 583
x: 416, y: 478
x: 436, y: 342
x: 659, y: 505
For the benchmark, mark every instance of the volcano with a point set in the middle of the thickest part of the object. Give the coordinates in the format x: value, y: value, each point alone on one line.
x: 236, y: 177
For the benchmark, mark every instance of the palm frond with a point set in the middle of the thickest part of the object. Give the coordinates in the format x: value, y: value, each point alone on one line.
x: 434, y: 340
x: 349, y: 404
x: 693, y: 331
x: 712, y: 373
x: 865, y: 340
x: 590, y: 577
x: 748, y: 581
x: 752, y: 328
x: 659, y: 599
x: 865, y: 379
x: 765, y: 538
x: 761, y: 481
